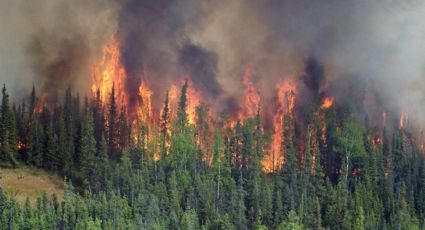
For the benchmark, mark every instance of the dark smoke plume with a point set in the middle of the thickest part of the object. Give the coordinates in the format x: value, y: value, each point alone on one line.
x: 201, y: 66
x: 52, y: 43
x: 366, y: 53
x: 150, y: 32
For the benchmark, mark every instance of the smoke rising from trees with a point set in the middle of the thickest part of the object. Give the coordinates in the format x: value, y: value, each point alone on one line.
x: 374, y: 48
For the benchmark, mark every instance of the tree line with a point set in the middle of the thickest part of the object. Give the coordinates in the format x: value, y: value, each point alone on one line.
x: 337, y: 172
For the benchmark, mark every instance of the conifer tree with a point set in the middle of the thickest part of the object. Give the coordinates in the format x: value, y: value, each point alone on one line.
x: 102, y: 168
x: 22, y: 132
x: 290, y: 155
x: 8, y: 134
x: 400, y: 157
x: 70, y: 130
x: 164, y: 126
x: 88, y: 149
x: 52, y: 160
x: 98, y: 117
x: 36, y: 137
x: 123, y: 132
x: 32, y: 101
x: 181, y: 112
x: 65, y: 151
x: 112, y: 119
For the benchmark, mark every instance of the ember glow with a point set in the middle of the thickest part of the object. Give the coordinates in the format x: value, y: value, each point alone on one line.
x: 20, y: 145
x: 40, y: 103
x: 327, y: 103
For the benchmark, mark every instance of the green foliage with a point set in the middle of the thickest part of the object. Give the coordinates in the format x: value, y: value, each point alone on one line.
x: 349, y: 143
x: 8, y: 134
x: 88, y: 149
x: 181, y: 112
x: 291, y: 223
x: 208, y: 175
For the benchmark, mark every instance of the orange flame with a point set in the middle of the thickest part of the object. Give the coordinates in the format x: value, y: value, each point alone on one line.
x: 252, y: 95
x: 193, y: 101
x: 173, y: 97
x: 376, y: 141
x: 327, y: 103
x: 173, y: 93
x: 285, y: 105
x: 403, y: 120
x: 144, y: 111
x: 40, y: 104
x: 323, y: 134
x: 20, y: 145
x: 109, y: 71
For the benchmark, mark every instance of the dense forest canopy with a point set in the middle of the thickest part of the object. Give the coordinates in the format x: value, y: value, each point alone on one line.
x: 333, y: 171
x: 192, y: 114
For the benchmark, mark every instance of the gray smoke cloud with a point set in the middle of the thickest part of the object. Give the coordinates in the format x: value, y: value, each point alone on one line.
x: 372, y: 48
x: 52, y: 43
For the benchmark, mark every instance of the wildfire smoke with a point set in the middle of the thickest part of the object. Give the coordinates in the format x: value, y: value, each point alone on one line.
x: 144, y: 49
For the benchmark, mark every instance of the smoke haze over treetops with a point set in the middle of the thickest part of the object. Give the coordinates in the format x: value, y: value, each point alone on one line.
x: 373, y: 48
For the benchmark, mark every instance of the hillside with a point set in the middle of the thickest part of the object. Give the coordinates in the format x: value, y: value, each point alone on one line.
x: 29, y: 182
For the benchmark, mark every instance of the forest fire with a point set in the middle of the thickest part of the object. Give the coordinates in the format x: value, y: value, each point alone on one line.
x: 285, y: 103
x: 252, y: 96
x: 173, y: 97
x: 147, y: 114
x: 40, y: 103
x: 327, y: 103
x: 144, y: 110
x: 109, y: 73
x: 193, y: 101
x: 403, y: 120
x: 376, y: 141
x: 20, y: 145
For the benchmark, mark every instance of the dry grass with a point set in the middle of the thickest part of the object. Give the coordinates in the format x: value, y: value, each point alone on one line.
x: 27, y: 182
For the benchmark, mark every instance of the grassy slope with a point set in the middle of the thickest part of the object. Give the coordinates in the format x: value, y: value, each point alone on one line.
x: 28, y: 182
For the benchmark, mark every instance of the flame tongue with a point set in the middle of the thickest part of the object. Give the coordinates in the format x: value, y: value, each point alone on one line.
x: 193, y: 101
x: 40, y: 104
x: 285, y: 105
x: 109, y: 72
x: 144, y: 110
x: 327, y: 103
x: 403, y: 120
x: 252, y: 95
